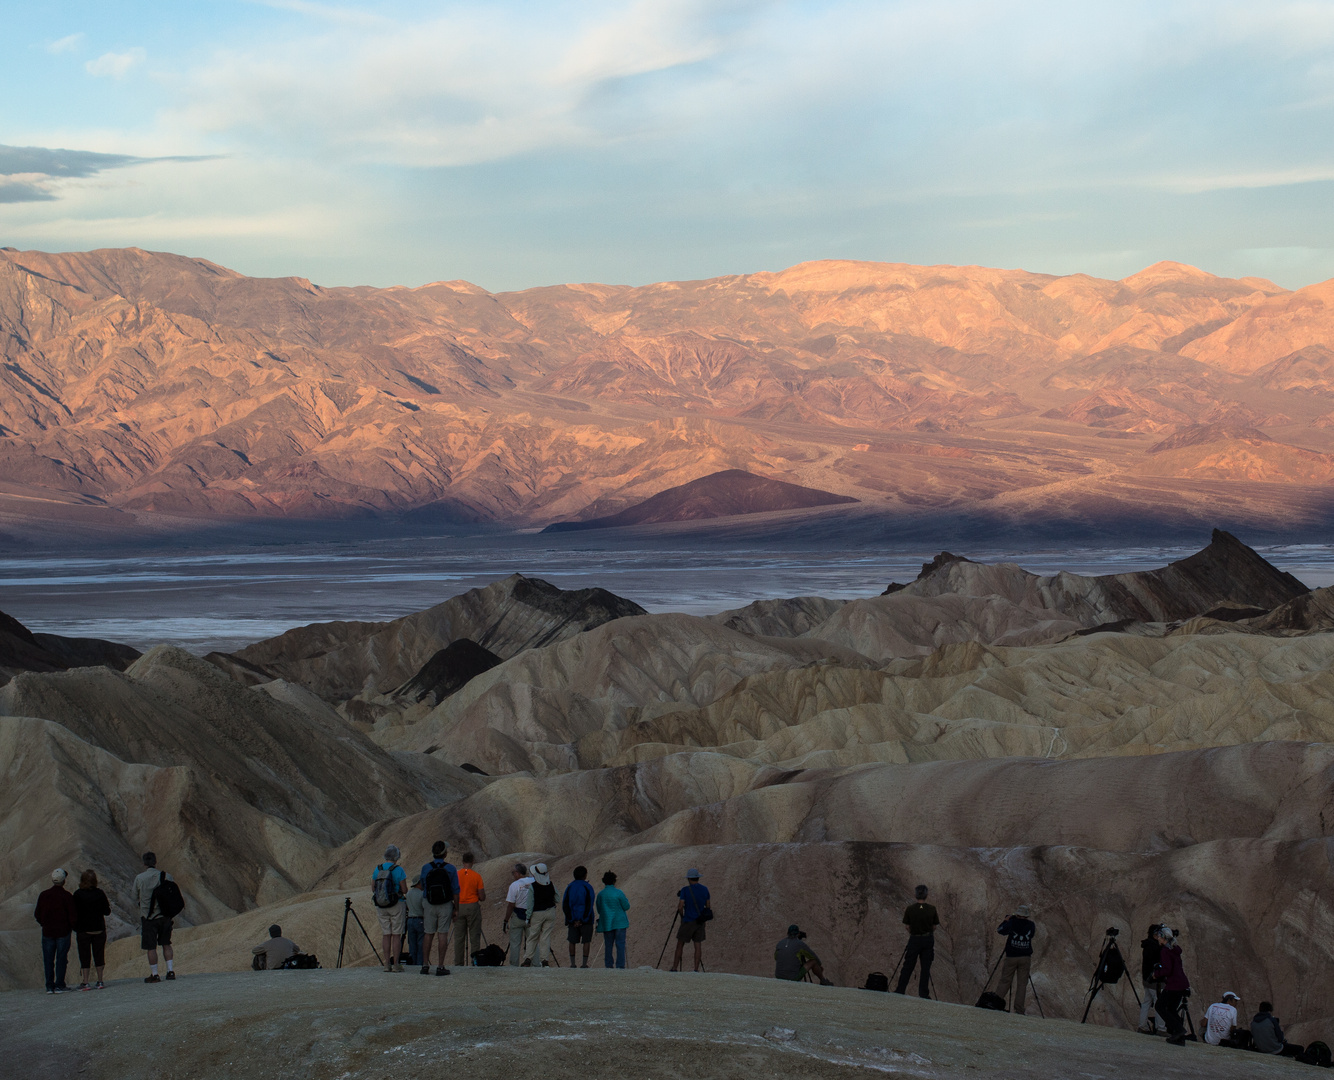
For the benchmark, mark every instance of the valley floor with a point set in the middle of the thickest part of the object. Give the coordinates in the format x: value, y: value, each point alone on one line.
x: 552, y: 1024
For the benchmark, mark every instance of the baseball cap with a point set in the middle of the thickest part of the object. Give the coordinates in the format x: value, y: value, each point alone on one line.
x: 793, y: 929
x: 58, y: 875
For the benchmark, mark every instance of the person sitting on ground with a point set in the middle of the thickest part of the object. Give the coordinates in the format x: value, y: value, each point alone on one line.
x: 1220, y: 1020
x: 414, y: 923
x: 90, y: 929
x: 1176, y: 986
x: 1150, y: 952
x: 468, y: 913
x: 389, y: 885
x: 541, y: 916
x: 1018, y: 930
x: 57, y: 915
x: 154, y: 928
x: 273, y: 952
x: 921, y: 920
x: 1268, y: 1034
x: 440, y: 897
x: 577, y: 905
x: 691, y: 904
x: 793, y: 958
x: 516, y: 912
x: 613, y: 919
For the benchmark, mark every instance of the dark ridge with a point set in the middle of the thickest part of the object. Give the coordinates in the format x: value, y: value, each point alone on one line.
x: 591, y: 607
x: 22, y: 650
x: 448, y: 670
x: 1199, y: 434
x: 730, y: 493
x: 468, y: 766
x: 893, y: 587
x: 942, y: 560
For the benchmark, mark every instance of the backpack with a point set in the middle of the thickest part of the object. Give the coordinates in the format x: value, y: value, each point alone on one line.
x: 991, y: 1000
x: 437, y: 886
x: 877, y: 980
x: 1111, y: 966
x: 1317, y: 1053
x: 300, y: 962
x: 542, y: 896
x: 492, y: 956
x: 385, y: 891
x: 166, y: 898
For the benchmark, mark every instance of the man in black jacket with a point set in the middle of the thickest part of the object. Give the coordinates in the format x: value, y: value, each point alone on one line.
x: 921, y: 920
x: 1018, y: 930
x: 1150, y: 952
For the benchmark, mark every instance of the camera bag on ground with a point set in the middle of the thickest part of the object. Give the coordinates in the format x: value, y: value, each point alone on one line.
x: 877, y: 980
x: 491, y: 956
x: 166, y: 900
x: 991, y: 1000
x: 437, y: 887
x: 385, y: 891
x: 259, y: 962
x: 300, y: 962
x: 1317, y: 1053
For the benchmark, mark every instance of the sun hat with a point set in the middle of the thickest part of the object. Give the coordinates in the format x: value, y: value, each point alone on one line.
x: 692, y: 874
x: 1022, y: 911
x: 539, y: 872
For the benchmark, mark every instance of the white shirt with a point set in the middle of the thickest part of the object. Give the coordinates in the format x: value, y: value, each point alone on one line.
x: 518, y: 894
x: 144, y: 885
x: 1221, y: 1019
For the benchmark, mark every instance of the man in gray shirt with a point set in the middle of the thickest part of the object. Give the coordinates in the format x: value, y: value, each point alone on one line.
x: 154, y: 931
x: 275, y: 950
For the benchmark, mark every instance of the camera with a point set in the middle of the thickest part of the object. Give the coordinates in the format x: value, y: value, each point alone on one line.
x: 801, y: 934
x: 1112, y: 931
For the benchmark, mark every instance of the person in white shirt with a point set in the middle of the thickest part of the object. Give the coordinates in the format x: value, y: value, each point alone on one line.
x: 516, y: 911
x: 1221, y: 1020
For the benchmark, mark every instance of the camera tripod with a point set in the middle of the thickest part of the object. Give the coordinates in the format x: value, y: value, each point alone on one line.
x: 347, y: 910
x: 1037, y: 1000
x: 1111, y: 966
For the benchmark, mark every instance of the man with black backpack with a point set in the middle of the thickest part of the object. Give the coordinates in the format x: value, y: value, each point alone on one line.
x: 541, y: 915
x: 160, y: 901
x: 389, y: 886
x: 440, y: 898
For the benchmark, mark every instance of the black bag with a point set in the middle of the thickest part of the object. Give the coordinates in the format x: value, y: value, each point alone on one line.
x: 877, y: 980
x: 1111, y: 966
x: 385, y: 890
x: 1241, y: 1040
x: 491, y: 956
x: 300, y: 962
x: 166, y: 898
x: 438, y: 887
x: 1317, y: 1053
x: 991, y: 1000
x: 705, y: 912
x: 259, y: 962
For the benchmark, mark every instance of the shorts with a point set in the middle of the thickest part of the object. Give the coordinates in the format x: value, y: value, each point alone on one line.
x: 154, y: 932
x: 575, y: 934
x: 436, y: 918
x: 393, y: 919
x: 691, y: 931
x: 93, y: 947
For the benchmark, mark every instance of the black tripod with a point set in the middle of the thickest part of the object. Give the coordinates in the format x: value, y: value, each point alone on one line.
x: 1111, y: 966
x: 1008, y: 990
x: 347, y: 910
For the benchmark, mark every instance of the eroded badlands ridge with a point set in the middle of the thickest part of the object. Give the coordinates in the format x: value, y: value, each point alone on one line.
x: 1112, y: 751
x: 136, y: 384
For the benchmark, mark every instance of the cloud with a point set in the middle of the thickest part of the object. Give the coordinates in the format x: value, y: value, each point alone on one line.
x: 66, y: 44
x: 115, y: 65
x: 34, y: 173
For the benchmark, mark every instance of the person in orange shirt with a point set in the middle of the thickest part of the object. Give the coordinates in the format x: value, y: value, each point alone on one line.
x: 468, y: 921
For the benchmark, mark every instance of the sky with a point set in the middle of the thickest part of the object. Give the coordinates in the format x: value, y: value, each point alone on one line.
x: 516, y: 144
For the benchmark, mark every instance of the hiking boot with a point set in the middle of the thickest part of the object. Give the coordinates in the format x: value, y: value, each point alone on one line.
x: 426, y: 969
x: 171, y: 976
x: 442, y: 971
x: 152, y: 978
x: 825, y: 982
x: 1176, y: 1040
x: 545, y: 964
x: 398, y: 967
x: 584, y: 964
x: 526, y: 963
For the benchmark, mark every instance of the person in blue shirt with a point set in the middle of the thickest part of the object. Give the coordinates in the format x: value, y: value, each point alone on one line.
x: 440, y: 898
x: 691, y: 904
x: 613, y: 920
x: 577, y: 903
x: 389, y: 884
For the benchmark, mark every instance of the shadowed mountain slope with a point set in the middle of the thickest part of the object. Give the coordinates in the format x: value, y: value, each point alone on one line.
x: 22, y: 650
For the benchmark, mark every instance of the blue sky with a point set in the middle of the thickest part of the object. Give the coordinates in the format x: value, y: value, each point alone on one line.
x: 518, y: 144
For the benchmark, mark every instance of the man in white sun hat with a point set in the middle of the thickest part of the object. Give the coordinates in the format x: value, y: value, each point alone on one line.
x: 541, y: 915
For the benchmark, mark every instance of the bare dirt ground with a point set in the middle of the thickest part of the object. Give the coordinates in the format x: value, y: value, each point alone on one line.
x: 557, y: 1023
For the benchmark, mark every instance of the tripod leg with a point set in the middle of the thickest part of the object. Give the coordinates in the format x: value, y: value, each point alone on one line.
x: 367, y: 937
x: 899, y: 964
x: 342, y: 938
x: 1092, y: 994
x: 668, y: 941
x: 1036, y: 998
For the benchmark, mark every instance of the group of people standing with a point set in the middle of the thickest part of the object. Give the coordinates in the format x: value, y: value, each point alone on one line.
x: 530, y: 916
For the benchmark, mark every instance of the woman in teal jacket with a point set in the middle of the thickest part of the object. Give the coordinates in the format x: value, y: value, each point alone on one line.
x: 612, y: 905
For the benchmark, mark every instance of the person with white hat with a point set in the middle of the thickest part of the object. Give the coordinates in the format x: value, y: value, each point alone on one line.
x: 1220, y: 1020
x: 541, y: 916
x: 692, y: 905
x: 1018, y: 930
x: 56, y: 912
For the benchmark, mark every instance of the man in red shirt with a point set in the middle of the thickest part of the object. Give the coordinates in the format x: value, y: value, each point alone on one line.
x: 472, y: 894
x: 55, y: 911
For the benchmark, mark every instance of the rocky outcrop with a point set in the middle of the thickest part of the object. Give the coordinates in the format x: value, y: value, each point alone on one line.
x: 447, y: 671
x: 22, y: 650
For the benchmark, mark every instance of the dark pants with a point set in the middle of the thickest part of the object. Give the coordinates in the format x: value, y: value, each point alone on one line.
x: 55, y: 958
x: 920, y: 947
x: 1168, y: 1008
x: 614, y: 939
x: 416, y: 932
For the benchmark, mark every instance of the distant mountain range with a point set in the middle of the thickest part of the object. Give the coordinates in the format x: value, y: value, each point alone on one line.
x: 138, y: 387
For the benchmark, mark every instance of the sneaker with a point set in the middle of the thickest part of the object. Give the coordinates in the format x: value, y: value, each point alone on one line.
x: 526, y: 963
x: 398, y: 967
x: 51, y: 991
x: 1176, y: 1040
x: 171, y: 976
x: 99, y: 986
x: 152, y: 978
x: 545, y: 964
x: 825, y: 982
x: 426, y: 969
x: 584, y: 964
x: 442, y: 971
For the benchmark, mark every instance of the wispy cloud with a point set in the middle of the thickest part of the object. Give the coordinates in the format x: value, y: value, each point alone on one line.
x: 69, y: 43
x: 35, y: 173
x: 115, y: 65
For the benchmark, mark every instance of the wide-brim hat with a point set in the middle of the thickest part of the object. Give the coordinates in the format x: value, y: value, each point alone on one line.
x: 1022, y: 911
x: 539, y: 872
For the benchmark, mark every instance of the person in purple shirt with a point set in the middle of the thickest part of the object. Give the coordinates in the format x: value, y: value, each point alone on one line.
x: 1175, y: 986
x: 691, y: 904
x: 440, y: 902
x: 577, y: 903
